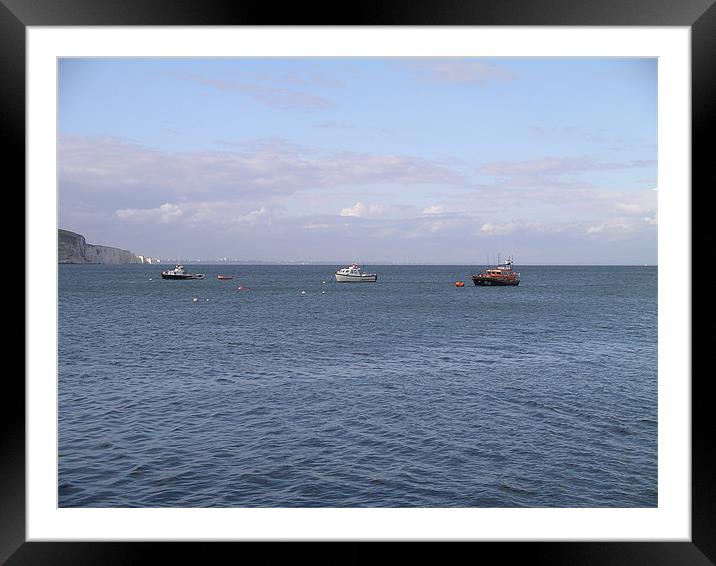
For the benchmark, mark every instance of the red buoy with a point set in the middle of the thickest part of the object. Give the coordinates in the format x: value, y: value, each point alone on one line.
x: 459, y: 284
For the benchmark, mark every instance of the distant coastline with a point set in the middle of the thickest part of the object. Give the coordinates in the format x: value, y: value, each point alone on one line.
x: 72, y: 248
x: 215, y: 262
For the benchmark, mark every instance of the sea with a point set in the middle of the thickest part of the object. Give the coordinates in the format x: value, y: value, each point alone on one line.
x: 299, y: 391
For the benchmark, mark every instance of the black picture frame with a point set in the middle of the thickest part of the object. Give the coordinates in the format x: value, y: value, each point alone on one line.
x: 17, y: 15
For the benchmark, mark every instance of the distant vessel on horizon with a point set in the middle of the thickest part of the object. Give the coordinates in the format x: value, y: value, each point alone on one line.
x: 354, y: 274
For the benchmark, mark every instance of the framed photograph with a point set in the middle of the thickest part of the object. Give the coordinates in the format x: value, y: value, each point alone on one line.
x: 515, y: 188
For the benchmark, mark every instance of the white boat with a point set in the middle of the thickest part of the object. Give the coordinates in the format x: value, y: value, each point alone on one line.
x: 179, y: 273
x: 354, y: 274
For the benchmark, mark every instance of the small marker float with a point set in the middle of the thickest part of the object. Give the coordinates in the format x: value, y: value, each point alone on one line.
x: 459, y: 284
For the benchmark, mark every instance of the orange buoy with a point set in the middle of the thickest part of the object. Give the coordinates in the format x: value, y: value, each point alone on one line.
x: 459, y: 284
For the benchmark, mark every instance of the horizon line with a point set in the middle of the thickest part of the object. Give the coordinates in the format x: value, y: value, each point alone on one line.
x: 325, y: 262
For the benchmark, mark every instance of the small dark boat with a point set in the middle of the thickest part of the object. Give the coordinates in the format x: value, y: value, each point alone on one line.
x: 224, y: 277
x: 179, y: 273
x: 500, y: 275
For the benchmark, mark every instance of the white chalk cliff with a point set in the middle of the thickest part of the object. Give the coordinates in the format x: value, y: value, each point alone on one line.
x: 72, y: 248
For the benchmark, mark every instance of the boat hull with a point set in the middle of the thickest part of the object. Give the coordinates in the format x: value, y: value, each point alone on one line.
x: 491, y: 282
x: 179, y: 277
x: 372, y: 278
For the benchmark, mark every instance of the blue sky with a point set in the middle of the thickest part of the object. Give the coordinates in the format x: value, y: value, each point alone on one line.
x: 435, y: 160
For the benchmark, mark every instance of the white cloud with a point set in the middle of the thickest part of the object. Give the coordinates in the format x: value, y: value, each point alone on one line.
x: 619, y: 227
x: 98, y: 167
x: 434, y: 209
x: 360, y: 210
x: 318, y: 226
x: 558, y: 166
x: 166, y: 213
x: 631, y: 208
x: 611, y: 228
x: 257, y: 216
x: 491, y: 229
x: 225, y: 214
x: 528, y: 228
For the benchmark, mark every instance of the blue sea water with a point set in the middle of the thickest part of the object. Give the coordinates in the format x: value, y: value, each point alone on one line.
x: 408, y: 392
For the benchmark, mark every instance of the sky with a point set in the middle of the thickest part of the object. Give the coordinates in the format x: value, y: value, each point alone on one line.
x: 376, y: 160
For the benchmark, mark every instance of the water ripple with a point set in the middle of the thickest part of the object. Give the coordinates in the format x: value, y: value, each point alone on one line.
x: 399, y: 394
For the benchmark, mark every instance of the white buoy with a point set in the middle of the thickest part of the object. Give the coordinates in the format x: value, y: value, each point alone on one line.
x: 207, y: 300
x: 194, y: 300
x: 323, y: 292
x: 150, y: 278
x: 303, y: 292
